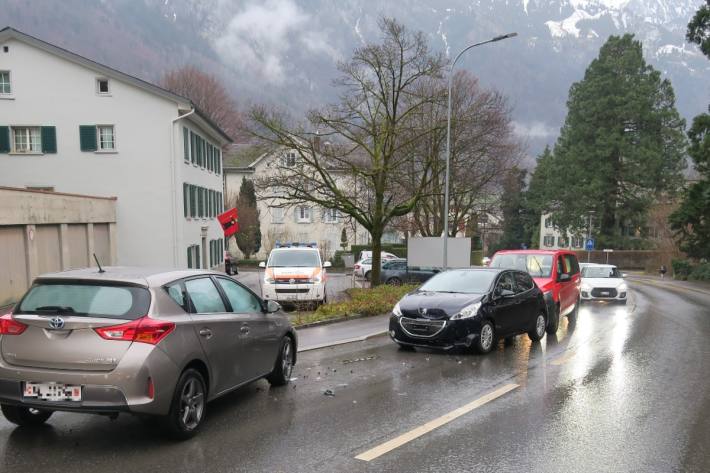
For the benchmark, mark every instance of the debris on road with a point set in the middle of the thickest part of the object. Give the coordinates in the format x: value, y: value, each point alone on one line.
x: 329, y: 392
x: 355, y: 360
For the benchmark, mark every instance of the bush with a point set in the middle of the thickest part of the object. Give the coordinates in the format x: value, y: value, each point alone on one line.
x: 681, y: 269
x: 366, y: 301
x: 337, y: 259
x: 700, y: 272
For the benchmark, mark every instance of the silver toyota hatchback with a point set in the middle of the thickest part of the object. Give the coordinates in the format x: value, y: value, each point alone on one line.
x: 138, y: 341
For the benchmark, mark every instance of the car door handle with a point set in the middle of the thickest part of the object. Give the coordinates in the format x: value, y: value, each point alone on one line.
x: 205, y: 332
x: 244, y: 329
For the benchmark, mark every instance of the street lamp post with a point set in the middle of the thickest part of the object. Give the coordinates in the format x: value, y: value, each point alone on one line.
x: 448, y: 140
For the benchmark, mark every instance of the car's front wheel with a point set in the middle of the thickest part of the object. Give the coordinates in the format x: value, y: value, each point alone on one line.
x: 188, y: 407
x: 283, y: 367
x: 25, y: 416
x: 367, y: 275
x: 484, y: 341
x: 538, y: 330
x: 553, y: 322
x: 394, y: 282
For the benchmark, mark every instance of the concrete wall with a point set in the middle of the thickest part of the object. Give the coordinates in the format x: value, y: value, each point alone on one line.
x: 43, y: 232
x: 145, y: 172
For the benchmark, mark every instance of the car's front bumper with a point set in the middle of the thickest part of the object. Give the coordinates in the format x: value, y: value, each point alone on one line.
x: 617, y: 295
x: 454, y: 333
x: 293, y: 292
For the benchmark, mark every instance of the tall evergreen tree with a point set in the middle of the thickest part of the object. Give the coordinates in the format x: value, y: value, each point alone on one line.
x: 513, y: 208
x: 249, y: 235
x: 621, y: 146
x: 691, y: 220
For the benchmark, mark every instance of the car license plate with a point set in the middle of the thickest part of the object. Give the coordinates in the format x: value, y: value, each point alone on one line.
x: 52, y: 391
x: 604, y: 293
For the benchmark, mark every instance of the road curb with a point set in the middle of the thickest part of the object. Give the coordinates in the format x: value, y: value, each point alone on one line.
x: 343, y: 318
x: 343, y: 342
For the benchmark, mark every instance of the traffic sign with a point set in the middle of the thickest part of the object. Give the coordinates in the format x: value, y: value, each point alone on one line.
x: 589, y: 244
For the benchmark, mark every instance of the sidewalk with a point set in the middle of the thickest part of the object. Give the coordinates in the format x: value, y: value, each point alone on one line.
x: 342, y: 332
x: 696, y: 286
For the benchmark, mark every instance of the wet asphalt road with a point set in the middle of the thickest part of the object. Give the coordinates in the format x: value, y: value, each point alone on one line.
x: 623, y: 389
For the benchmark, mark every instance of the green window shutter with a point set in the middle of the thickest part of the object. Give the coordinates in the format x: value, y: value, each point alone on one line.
x: 200, y: 202
x: 185, y: 200
x: 87, y: 137
x: 193, y: 206
x: 219, y: 161
x: 193, y: 155
x: 197, y: 257
x: 49, y: 139
x: 186, y: 143
x: 4, y: 139
x: 189, y: 257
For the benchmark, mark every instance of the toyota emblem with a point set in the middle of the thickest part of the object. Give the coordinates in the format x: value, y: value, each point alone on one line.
x: 56, y: 323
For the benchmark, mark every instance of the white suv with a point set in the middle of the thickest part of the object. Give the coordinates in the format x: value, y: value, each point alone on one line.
x: 294, y: 274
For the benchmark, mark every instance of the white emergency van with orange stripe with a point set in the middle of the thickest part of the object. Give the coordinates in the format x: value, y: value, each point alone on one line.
x: 293, y: 273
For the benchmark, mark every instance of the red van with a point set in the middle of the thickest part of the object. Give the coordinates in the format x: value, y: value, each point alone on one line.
x: 556, y: 272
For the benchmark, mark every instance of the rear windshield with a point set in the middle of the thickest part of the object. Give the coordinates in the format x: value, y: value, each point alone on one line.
x: 88, y: 300
x: 538, y: 266
x: 295, y: 258
x: 463, y: 281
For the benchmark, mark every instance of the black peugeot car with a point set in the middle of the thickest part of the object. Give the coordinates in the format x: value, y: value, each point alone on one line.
x: 469, y: 308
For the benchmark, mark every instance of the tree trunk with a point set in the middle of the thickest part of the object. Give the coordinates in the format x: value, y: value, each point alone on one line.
x: 376, y: 234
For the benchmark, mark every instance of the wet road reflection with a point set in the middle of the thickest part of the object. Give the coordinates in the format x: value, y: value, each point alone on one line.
x: 623, y: 389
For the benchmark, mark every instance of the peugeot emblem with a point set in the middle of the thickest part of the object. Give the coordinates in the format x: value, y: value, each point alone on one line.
x: 56, y: 323
x: 422, y: 311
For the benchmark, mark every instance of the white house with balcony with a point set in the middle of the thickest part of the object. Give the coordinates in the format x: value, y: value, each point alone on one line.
x: 69, y: 124
x: 284, y: 222
x: 552, y: 238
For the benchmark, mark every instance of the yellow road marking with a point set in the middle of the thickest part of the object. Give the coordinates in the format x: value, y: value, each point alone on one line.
x: 433, y: 424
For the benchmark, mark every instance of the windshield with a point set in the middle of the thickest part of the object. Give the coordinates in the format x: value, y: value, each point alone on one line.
x: 463, y: 281
x: 600, y: 272
x: 294, y: 258
x: 538, y: 266
x: 88, y: 300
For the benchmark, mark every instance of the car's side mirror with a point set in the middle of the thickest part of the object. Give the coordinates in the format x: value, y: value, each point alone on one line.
x: 272, y: 306
x: 327, y: 264
x: 564, y: 277
x: 262, y: 264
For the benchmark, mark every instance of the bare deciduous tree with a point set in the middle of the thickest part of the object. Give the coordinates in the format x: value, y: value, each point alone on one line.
x: 209, y: 96
x: 370, y: 133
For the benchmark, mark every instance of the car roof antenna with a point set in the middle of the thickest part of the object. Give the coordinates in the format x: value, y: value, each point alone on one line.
x: 101, y: 270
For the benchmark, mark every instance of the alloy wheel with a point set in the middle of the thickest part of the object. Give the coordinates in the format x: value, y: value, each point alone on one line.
x: 192, y: 404
x: 486, y: 336
x: 286, y: 359
x: 540, y: 325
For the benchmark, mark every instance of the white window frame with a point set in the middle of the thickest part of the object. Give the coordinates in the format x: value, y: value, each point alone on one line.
x: 548, y: 222
x: 303, y: 214
x: 277, y: 214
x: 330, y: 216
x: 99, y: 148
x: 545, y: 240
x: 9, y: 84
x: 98, y: 87
x: 290, y: 155
x: 15, y: 129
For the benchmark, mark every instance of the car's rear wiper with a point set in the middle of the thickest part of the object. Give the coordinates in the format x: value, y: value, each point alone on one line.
x: 56, y: 308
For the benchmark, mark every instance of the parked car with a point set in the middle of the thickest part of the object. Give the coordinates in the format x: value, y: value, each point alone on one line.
x: 230, y: 264
x: 140, y: 342
x: 295, y: 273
x: 603, y: 282
x: 469, y: 308
x: 364, y: 254
x: 395, y: 272
x: 363, y: 268
x: 557, y: 274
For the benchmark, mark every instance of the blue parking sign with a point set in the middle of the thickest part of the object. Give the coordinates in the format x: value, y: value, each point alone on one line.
x: 589, y: 244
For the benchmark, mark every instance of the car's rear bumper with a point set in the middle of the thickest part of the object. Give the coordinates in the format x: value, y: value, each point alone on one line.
x: 456, y: 333
x: 95, y: 399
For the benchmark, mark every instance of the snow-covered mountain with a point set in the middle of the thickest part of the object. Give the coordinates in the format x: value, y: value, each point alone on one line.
x: 285, y: 51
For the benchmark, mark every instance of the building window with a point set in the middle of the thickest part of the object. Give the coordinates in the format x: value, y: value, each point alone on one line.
x: 562, y: 242
x: 330, y: 215
x: 5, y: 87
x: 577, y: 242
x: 289, y: 159
x: 102, y: 87
x: 548, y: 222
x: 303, y: 214
x: 107, y: 137
x: 277, y: 215
x: 549, y: 241
x: 26, y: 140
x: 186, y: 144
x: 193, y: 257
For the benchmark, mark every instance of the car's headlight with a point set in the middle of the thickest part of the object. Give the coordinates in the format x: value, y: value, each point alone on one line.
x: 622, y: 287
x: 396, y: 310
x: 467, y: 312
x: 586, y: 288
x: 315, y: 279
x: 269, y: 280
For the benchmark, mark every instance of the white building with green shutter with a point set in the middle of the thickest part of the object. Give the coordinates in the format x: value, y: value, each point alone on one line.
x: 69, y: 124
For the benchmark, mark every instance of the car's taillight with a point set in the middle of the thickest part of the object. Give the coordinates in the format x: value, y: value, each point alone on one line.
x: 357, y: 266
x: 10, y: 326
x: 151, y: 388
x: 144, y: 330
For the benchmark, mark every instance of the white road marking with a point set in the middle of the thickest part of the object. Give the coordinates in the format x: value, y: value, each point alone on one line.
x: 433, y: 424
